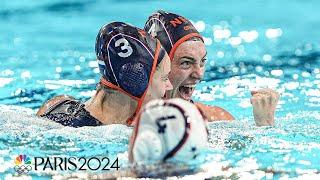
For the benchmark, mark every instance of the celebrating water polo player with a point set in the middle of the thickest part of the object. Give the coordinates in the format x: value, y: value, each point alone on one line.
x: 187, y: 53
x: 134, y: 69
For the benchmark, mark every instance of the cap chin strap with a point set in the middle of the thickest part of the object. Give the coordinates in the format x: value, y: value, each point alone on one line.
x: 186, y: 134
x: 140, y: 100
x: 181, y: 40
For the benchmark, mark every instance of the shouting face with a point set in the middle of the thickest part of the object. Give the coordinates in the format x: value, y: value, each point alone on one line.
x: 187, y: 68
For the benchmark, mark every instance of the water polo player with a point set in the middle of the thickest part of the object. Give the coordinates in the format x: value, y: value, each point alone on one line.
x: 187, y: 52
x: 134, y: 69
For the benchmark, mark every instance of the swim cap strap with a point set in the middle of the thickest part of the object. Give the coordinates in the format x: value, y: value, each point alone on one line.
x: 140, y: 101
x: 177, y: 147
x: 112, y: 86
x: 180, y: 41
x: 185, y: 135
x: 134, y: 136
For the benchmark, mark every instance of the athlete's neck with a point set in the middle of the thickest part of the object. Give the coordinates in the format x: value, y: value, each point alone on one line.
x: 114, y: 108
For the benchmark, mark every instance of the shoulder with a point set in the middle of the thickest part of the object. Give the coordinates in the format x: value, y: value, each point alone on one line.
x: 67, y: 111
x: 52, y: 102
x: 214, y: 113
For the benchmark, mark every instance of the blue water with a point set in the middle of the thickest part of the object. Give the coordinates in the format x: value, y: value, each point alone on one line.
x: 47, y: 49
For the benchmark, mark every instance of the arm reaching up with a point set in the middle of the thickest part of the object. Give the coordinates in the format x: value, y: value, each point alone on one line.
x: 264, y: 104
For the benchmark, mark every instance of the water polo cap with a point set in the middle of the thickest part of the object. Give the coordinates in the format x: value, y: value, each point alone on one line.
x: 171, y: 29
x: 127, y: 58
x: 171, y: 129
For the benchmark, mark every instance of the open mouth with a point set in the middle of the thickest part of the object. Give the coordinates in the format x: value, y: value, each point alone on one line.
x: 186, y: 91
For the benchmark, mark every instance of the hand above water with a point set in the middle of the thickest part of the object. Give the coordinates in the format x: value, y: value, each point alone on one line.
x: 264, y: 102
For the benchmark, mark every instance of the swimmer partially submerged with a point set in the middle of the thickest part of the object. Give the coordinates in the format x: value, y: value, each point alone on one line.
x: 169, y: 134
x: 134, y: 69
x: 187, y: 53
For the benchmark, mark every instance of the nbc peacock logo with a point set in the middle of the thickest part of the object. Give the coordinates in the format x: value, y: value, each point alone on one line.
x: 22, y: 164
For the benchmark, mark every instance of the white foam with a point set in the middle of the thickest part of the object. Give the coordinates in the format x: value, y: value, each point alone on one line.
x: 5, y: 81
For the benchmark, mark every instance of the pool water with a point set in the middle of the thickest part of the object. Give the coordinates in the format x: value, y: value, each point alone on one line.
x: 47, y: 49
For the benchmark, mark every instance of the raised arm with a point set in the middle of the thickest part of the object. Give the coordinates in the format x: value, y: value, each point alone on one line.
x: 264, y: 104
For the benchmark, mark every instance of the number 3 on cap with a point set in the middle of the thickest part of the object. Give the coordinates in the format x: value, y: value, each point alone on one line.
x: 125, y: 46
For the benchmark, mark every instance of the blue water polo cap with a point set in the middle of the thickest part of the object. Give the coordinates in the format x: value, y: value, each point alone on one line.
x: 127, y: 57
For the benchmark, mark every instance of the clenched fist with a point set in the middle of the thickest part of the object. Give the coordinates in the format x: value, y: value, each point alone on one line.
x: 264, y: 103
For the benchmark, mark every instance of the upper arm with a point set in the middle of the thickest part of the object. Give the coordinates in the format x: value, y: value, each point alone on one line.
x: 214, y: 113
x: 52, y: 102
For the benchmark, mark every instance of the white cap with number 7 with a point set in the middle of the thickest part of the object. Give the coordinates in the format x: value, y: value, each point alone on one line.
x: 172, y: 129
